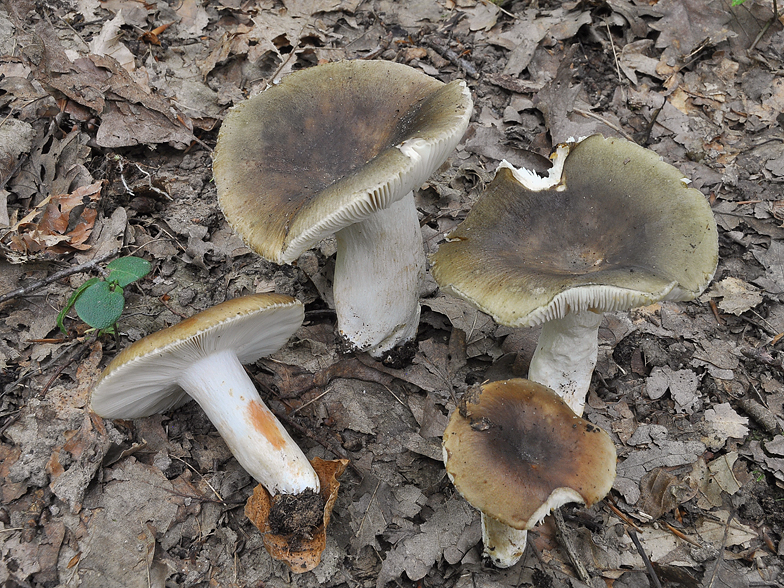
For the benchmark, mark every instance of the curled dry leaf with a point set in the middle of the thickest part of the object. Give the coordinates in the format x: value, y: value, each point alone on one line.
x: 301, y: 554
x: 59, y: 224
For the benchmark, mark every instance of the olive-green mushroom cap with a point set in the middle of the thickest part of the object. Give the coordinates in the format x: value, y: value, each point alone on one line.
x: 142, y: 379
x: 515, y: 450
x: 619, y: 229
x: 329, y: 146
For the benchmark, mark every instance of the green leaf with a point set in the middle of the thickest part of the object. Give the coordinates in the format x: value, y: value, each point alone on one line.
x: 737, y: 2
x: 100, y: 305
x: 126, y: 270
x: 71, y: 301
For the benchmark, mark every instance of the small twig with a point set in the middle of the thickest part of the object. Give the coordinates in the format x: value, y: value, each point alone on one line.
x: 271, y: 80
x: 622, y: 516
x: 75, y: 354
x: 760, y: 415
x: 311, y: 401
x: 171, y: 310
x: 720, y: 558
x: 766, y: 27
x: 287, y: 420
x: 195, y: 471
x: 57, y: 276
x: 615, y: 55
x: 565, y: 538
x: 682, y: 535
x: 715, y: 310
x: 451, y: 56
x: 12, y: 418
x: 589, y: 114
x: 648, y: 565
x: 364, y: 516
x: 644, y: 136
x: 41, y: 369
x: 393, y: 394
x: 382, y: 46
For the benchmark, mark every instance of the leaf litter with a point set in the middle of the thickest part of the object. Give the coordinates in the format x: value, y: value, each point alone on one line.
x: 107, y: 114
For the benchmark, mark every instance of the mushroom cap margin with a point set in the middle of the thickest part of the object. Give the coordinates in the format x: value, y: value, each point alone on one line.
x: 142, y: 379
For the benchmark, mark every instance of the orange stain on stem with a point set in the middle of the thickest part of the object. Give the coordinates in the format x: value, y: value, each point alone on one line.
x: 265, y: 423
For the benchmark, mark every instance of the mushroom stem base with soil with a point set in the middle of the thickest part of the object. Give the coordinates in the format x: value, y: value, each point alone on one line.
x: 301, y: 549
x: 566, y: 355
x: 378, y: 271
x: 255, y: 437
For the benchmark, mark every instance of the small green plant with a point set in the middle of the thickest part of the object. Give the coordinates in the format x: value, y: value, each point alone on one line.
x: 99, y: 302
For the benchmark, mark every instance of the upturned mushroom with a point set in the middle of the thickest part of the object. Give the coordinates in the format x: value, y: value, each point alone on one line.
x: 202, y: 358
x: 611, y: 228
x: 338, y: 149
x: 516, y: 451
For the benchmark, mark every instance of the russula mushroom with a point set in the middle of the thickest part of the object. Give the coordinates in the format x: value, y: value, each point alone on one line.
x: 515, y: 451
x: 612, y: 227
x: 202, y: 358
x: 338, y: 149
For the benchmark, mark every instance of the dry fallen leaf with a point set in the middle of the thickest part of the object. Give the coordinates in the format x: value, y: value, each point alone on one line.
x: 682, y: 385
x: 448, y: 532
x: 301, y: 554
x: 721, y: 423
x: 65, y: 222
x: 736, y: 295
x: 107, y: 42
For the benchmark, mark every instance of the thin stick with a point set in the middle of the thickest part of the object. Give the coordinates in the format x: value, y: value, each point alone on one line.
x: 622, y: 516
x: 615, y: 55
x: 648, y: 565
x: 194, y: 470
x: 682, y: 535
x: 566, y: 541
x: 75, y: 354
x: 364, y: 516
x: 83, y: 267
x: 311, y: 401
x: 589, y: 114
x: 766, y: 27
x: 450, y: 55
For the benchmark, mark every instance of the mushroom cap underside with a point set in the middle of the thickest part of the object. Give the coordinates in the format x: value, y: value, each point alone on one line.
x: 514, y: 446
x: 620, y: 229
x: 142, y: 379
x: 328, y: 146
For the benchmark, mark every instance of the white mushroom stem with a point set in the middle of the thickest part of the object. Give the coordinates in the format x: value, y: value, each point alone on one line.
x: 565, y: 356
x: 378, y: 270
x: 261, y: 445
x: 503, y: 544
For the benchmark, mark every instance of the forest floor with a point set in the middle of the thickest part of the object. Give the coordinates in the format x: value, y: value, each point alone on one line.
x: 109, y: 111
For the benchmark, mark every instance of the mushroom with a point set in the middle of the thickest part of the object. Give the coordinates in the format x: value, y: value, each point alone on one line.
x: 611, y: 228
x: 201, y: 358
x: 339, y: 149
x: 515, y: 451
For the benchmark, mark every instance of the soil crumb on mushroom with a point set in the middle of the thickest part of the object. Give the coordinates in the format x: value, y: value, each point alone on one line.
x: 296, y: 514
